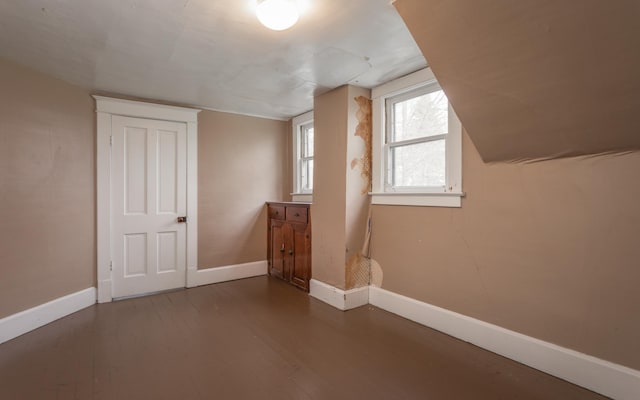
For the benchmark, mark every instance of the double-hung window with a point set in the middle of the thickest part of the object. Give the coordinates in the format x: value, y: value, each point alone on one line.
x: 416, y: 131
x: 303, y: 135
x: 417, y: 144
x: 306, y: 158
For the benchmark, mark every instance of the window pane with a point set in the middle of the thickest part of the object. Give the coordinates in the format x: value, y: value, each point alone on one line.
x: 307, y: 175
x: 307, y: 141
x: 425, y: 115
x: 421, y: 164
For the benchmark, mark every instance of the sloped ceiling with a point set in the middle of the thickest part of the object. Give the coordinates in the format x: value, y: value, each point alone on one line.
x: 210, y: 53
x: 536, y: 79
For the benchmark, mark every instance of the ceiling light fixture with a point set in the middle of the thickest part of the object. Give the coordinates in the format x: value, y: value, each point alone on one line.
x: 278, y: 14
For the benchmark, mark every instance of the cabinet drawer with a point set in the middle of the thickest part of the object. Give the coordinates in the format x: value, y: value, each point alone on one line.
x: 297, y: 214
x: 276, y: 212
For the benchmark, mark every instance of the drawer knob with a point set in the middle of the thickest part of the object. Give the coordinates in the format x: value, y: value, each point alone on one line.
x: 297, y: 214
x: 277, y: 212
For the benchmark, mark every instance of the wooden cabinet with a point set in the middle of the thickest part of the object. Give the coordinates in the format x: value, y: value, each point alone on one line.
x: 289, y: 243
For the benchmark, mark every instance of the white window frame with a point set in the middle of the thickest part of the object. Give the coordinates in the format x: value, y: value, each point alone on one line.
x: 297, y: 123
x: 448, y: 196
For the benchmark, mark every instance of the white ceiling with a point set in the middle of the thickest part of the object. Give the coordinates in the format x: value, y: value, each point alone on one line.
x: 209, y: 53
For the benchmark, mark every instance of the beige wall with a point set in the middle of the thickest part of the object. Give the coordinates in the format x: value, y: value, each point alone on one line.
x: 47, y: 189
x: 329, y: 182
x: 535, y: 79
x: 357, y: 186
x: 548, y: 249
x: 288, y: 183
x: 340, y: 205
x: 242, y: 163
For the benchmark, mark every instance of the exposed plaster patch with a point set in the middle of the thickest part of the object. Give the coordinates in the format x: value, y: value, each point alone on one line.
x: 376, y: 275
x: 362, y: 271
x: 364, y: 130
x: 357, y: 271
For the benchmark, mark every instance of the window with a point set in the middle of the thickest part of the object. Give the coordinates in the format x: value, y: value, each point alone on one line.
x: 303, y: 157
x: 416, y: 130
x: 306, y: 158
x: 417, y: 144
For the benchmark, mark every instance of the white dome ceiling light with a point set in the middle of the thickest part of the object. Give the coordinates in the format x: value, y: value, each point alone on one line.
x: 278, y: 14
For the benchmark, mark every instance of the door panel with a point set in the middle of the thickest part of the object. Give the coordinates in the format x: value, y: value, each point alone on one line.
x: 299, y: 259
x: 135, y: 254
x: 278, y: 249
x: 167, y: 171
x: 135, y: 166
x: 167, y: 251
x: 149, y: 193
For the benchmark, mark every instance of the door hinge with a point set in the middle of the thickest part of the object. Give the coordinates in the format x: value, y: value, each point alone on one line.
x: 111, y: 140
x: 111, y: 266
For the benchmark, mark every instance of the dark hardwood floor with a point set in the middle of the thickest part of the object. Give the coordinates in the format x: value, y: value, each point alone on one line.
x: 256, y: 339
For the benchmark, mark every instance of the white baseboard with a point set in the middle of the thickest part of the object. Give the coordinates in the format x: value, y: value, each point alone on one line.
x: 609, y: 379
x: 192, y: 277
x: 104, y: 291
x: 338, y: 298
x: 230, y: 273
x: 355, y: 298
x: 33, y: 318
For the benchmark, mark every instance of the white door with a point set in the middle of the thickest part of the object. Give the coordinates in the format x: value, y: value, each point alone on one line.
x: 149, y: 190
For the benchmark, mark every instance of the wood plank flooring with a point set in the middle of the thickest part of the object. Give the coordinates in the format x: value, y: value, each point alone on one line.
x: 256, y: 339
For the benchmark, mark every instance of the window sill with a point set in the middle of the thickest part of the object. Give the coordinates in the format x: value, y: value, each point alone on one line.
x: 445, y: 199
x: 302, y: 197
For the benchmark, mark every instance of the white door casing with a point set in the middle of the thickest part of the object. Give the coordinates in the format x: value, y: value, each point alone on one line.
x: 146, y: 178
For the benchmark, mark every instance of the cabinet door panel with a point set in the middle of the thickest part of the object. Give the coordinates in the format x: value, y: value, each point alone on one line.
x: 277, y: 267
x: 301, y: 246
